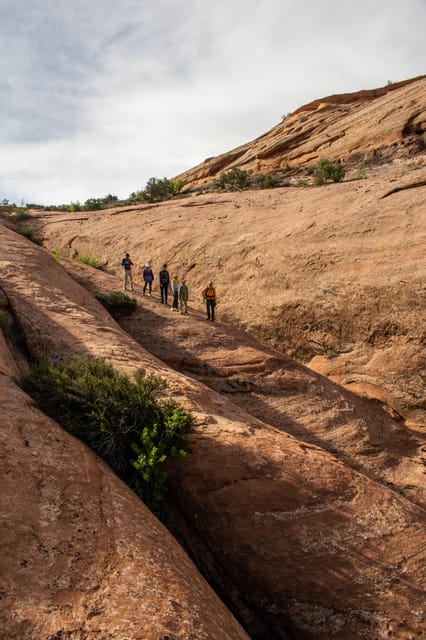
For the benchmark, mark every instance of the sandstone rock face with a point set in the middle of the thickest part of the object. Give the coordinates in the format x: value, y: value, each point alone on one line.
x: 359, y: 127
x: 334, y: 272
x: 315, y: 541
x: 81, y: 557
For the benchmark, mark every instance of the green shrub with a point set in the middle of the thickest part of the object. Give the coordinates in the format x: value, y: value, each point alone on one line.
x: 91, y: 261
x: 157, y: 190
x: 361, y: 171
x: 233, y: 180
x: 92, y: 204
x: 327, y: 170
x: 117, y: 303
x: 27, y: 231
x: 129, y: 423
x: 96, y: 204
x: 57, y: 254
x: 266, y: 181
x: 21, y: 214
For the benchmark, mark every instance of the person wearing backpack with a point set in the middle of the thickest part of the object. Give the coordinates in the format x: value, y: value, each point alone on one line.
x: 209, y: 297
x: 147, y: 277
x: 164, y: 278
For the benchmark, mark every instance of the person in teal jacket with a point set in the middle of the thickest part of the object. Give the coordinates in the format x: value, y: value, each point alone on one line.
x: 174, y: 286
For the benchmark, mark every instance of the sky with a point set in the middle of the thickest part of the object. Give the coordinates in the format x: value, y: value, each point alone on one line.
x: 98, y: 96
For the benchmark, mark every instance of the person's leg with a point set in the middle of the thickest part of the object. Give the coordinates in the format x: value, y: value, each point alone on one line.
x: 213, y: 306
x: 162, y: 293
x: 208, y: 308
x: 129, y: 274
x: 144, y: 288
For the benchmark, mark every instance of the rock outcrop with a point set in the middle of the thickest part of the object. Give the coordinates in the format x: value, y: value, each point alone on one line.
x: 332, y: 275
x: 81, y: 557
x: 308, y: 540
x: 365, y: 126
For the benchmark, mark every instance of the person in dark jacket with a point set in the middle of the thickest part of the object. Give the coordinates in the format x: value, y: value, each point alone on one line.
x: 127, y: 265
x: 147, y: 277
x: 164, y: 278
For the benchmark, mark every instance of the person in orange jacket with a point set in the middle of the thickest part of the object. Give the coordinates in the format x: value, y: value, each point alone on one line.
x: 209, y: 297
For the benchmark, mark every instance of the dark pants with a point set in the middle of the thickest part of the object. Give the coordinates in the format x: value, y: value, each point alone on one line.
x: 164, y: 289
x: 210, y: 308
x: 148, y: 283
x: 176, y: 299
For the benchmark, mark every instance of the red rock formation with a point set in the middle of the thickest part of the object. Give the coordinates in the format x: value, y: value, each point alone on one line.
x: 319, y: 549
x: 81, y: 556
x: 369, y: 125
x: 334, y: 273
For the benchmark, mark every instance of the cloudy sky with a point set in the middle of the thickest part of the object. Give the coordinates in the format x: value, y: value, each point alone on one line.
x: 97, y: 96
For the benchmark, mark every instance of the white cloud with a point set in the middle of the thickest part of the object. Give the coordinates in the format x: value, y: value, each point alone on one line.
x: 98, y: 96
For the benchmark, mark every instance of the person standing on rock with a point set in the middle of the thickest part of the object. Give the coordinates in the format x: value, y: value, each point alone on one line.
x: 183, y: 297
x: 164, y: 278
x: 175, y: 291
x: 127, y: 265
x: 209, y: 297
x: 147, y: 277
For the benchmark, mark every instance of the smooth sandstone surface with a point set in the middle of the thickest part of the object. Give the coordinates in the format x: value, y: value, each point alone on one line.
x: 316, y: 544
x: 303, y: 499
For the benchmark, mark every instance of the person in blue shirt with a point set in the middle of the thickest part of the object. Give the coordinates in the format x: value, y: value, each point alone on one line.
x: 147, y: 277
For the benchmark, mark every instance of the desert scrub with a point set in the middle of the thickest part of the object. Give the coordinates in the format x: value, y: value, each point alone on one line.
x: 91, y: 261
x: 361, y: 171
x: 128, y: 423
x: 20, y: 214
x: 326, y: 170
x: 235, y: 179
x: 27, y: 231
x: 117, y: 303
x: 266, y: 181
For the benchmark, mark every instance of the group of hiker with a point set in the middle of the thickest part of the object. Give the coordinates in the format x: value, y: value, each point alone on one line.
x: 178, y: 288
